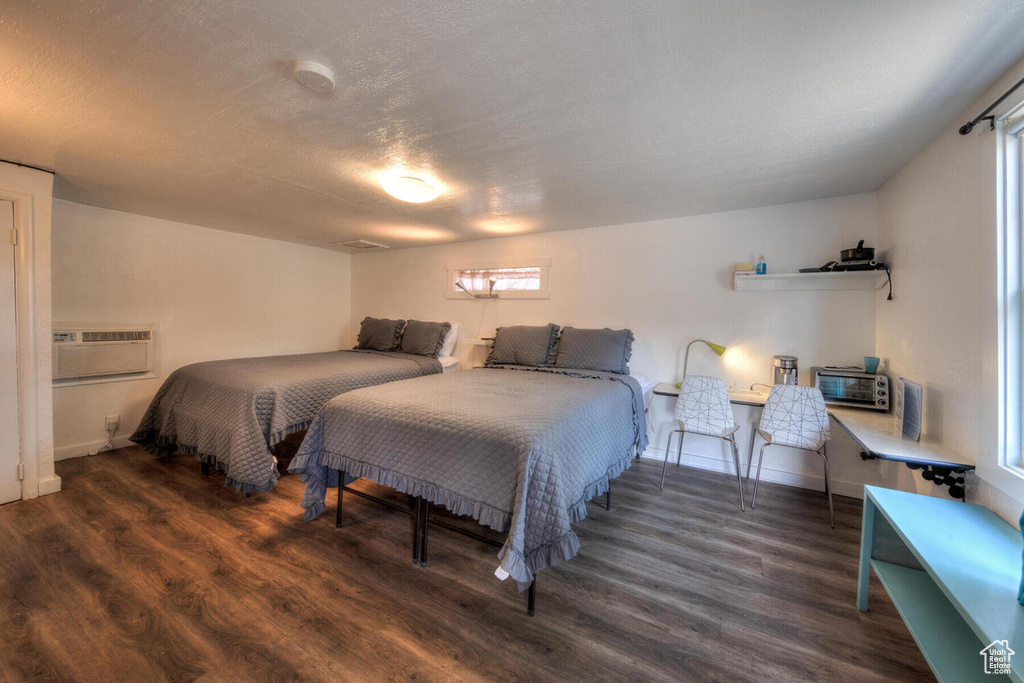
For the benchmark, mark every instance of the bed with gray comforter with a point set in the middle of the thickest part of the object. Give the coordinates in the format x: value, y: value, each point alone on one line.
x: 231, y: 413
x: 518, y: 449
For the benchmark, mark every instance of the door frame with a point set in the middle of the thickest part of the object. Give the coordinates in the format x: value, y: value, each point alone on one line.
x: 5, y: 207
x: 32, y: 207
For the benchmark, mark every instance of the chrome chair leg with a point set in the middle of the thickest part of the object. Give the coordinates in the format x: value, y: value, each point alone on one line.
x: 668, y: 445
x: 757, y: 477
x: 828, y: 487
x: 679, y: 453
x: 750, y: 451
x: 739, y: 476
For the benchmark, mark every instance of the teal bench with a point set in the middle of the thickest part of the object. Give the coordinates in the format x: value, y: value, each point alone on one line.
x: 953, y: 571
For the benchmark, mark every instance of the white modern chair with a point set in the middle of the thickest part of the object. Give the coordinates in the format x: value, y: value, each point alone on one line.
x: 703, y: 408
x: 795, y: 416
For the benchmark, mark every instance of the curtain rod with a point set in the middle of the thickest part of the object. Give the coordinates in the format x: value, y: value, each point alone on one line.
x: 984, y: 116
x: 34, y: 168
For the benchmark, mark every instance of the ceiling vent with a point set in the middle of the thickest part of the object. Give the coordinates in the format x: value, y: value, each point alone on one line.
x: 363, y: 245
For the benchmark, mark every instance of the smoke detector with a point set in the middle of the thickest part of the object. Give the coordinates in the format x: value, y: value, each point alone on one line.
x: 314, y: 76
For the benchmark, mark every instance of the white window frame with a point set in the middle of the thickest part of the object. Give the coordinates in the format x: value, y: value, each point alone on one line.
x: 542, y: 262
x: 1010, y: 279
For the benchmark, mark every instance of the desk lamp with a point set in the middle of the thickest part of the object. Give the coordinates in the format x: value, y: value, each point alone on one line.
x: 717, y: 348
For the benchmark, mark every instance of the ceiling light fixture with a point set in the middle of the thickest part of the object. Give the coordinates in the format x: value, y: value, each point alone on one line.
x: 314, y: 76
x: 410, y: 188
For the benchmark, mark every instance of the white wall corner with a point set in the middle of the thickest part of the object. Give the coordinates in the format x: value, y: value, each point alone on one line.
x: 942, y: 208
x: 307, y: 310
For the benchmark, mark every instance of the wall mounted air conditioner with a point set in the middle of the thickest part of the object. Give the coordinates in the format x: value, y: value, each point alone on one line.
x: 85, y: 353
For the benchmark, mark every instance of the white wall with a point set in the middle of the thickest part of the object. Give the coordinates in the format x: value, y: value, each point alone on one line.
x: 670, y: 281
x: 937, y: 221
x: 213, y: 294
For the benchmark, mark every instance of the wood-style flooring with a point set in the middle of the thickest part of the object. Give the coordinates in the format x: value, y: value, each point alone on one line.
x: 142, y: 570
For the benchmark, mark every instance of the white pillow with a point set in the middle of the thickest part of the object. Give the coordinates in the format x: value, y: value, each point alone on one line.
x: 448, y: 347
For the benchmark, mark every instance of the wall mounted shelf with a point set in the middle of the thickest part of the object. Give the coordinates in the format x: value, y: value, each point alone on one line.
x: 870, y: 279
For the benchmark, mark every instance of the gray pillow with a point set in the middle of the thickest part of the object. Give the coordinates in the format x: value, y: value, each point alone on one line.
x: 524, y: 345
x: 424, y: 339
x: 379, y: 334
x: 605, y: 350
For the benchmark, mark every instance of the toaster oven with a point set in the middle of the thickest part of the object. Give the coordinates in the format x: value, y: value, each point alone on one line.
x: 853, y: 388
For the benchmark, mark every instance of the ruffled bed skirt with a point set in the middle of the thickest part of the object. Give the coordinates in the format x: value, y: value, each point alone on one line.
x: 321, y: 473
x: 164, y: 447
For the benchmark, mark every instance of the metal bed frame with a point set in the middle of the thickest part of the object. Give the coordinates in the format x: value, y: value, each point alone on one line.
x: 421, y: 527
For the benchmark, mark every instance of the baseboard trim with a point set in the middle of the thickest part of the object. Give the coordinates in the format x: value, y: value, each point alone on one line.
x: 89, y: 448
x: 814, y: 483
x: 49, y: 485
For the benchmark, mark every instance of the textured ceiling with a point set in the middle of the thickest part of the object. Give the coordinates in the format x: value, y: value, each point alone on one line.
x: 535, y: 115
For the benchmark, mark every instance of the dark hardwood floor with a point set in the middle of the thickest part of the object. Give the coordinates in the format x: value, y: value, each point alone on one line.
x: 143, y: 570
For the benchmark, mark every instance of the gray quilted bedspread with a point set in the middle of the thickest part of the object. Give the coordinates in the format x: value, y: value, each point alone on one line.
x: 520, y: 450
x: 231, y: 413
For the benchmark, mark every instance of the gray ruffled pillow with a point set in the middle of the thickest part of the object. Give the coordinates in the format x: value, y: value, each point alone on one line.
x: 424, y: 339
x: 524, y: 345
x: 604, y: 350
x: 379, y: 334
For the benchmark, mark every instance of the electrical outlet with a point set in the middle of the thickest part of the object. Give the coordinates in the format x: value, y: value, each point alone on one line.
x: 113, y: 423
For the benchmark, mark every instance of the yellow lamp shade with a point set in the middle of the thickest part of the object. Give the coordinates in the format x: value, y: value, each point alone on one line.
x: 717, y: 348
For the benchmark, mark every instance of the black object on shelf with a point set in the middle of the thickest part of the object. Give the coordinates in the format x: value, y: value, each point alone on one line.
x: 858, y: 253
x: 854, y: 266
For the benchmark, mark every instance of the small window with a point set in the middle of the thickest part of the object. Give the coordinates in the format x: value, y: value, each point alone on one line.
x: 505, y: 279
x: 519, y: 279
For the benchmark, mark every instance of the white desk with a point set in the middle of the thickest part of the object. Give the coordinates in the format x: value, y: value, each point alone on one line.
x: 740, y: 397
x: 875, y: 432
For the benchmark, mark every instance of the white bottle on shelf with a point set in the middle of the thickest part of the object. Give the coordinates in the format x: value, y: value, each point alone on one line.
x: 762, y: 267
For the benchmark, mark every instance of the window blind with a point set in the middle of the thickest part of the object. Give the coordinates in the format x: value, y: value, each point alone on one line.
x: 477, y: 279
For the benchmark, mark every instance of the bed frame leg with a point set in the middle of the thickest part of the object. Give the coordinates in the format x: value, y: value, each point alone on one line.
x: 608, y: 498
x: 341, y: 492
x: 426, y: 528
x: 416, y: 531
x: 531, y: 599
x: 204, y: 468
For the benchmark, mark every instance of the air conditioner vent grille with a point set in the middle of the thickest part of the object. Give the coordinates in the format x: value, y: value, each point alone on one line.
x: 88, y: 353
x: 117, y: 335
x: 76, y: 361
x: 363, y: 244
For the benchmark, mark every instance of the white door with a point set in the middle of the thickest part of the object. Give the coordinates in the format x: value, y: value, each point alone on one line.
x: 10, y: 443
